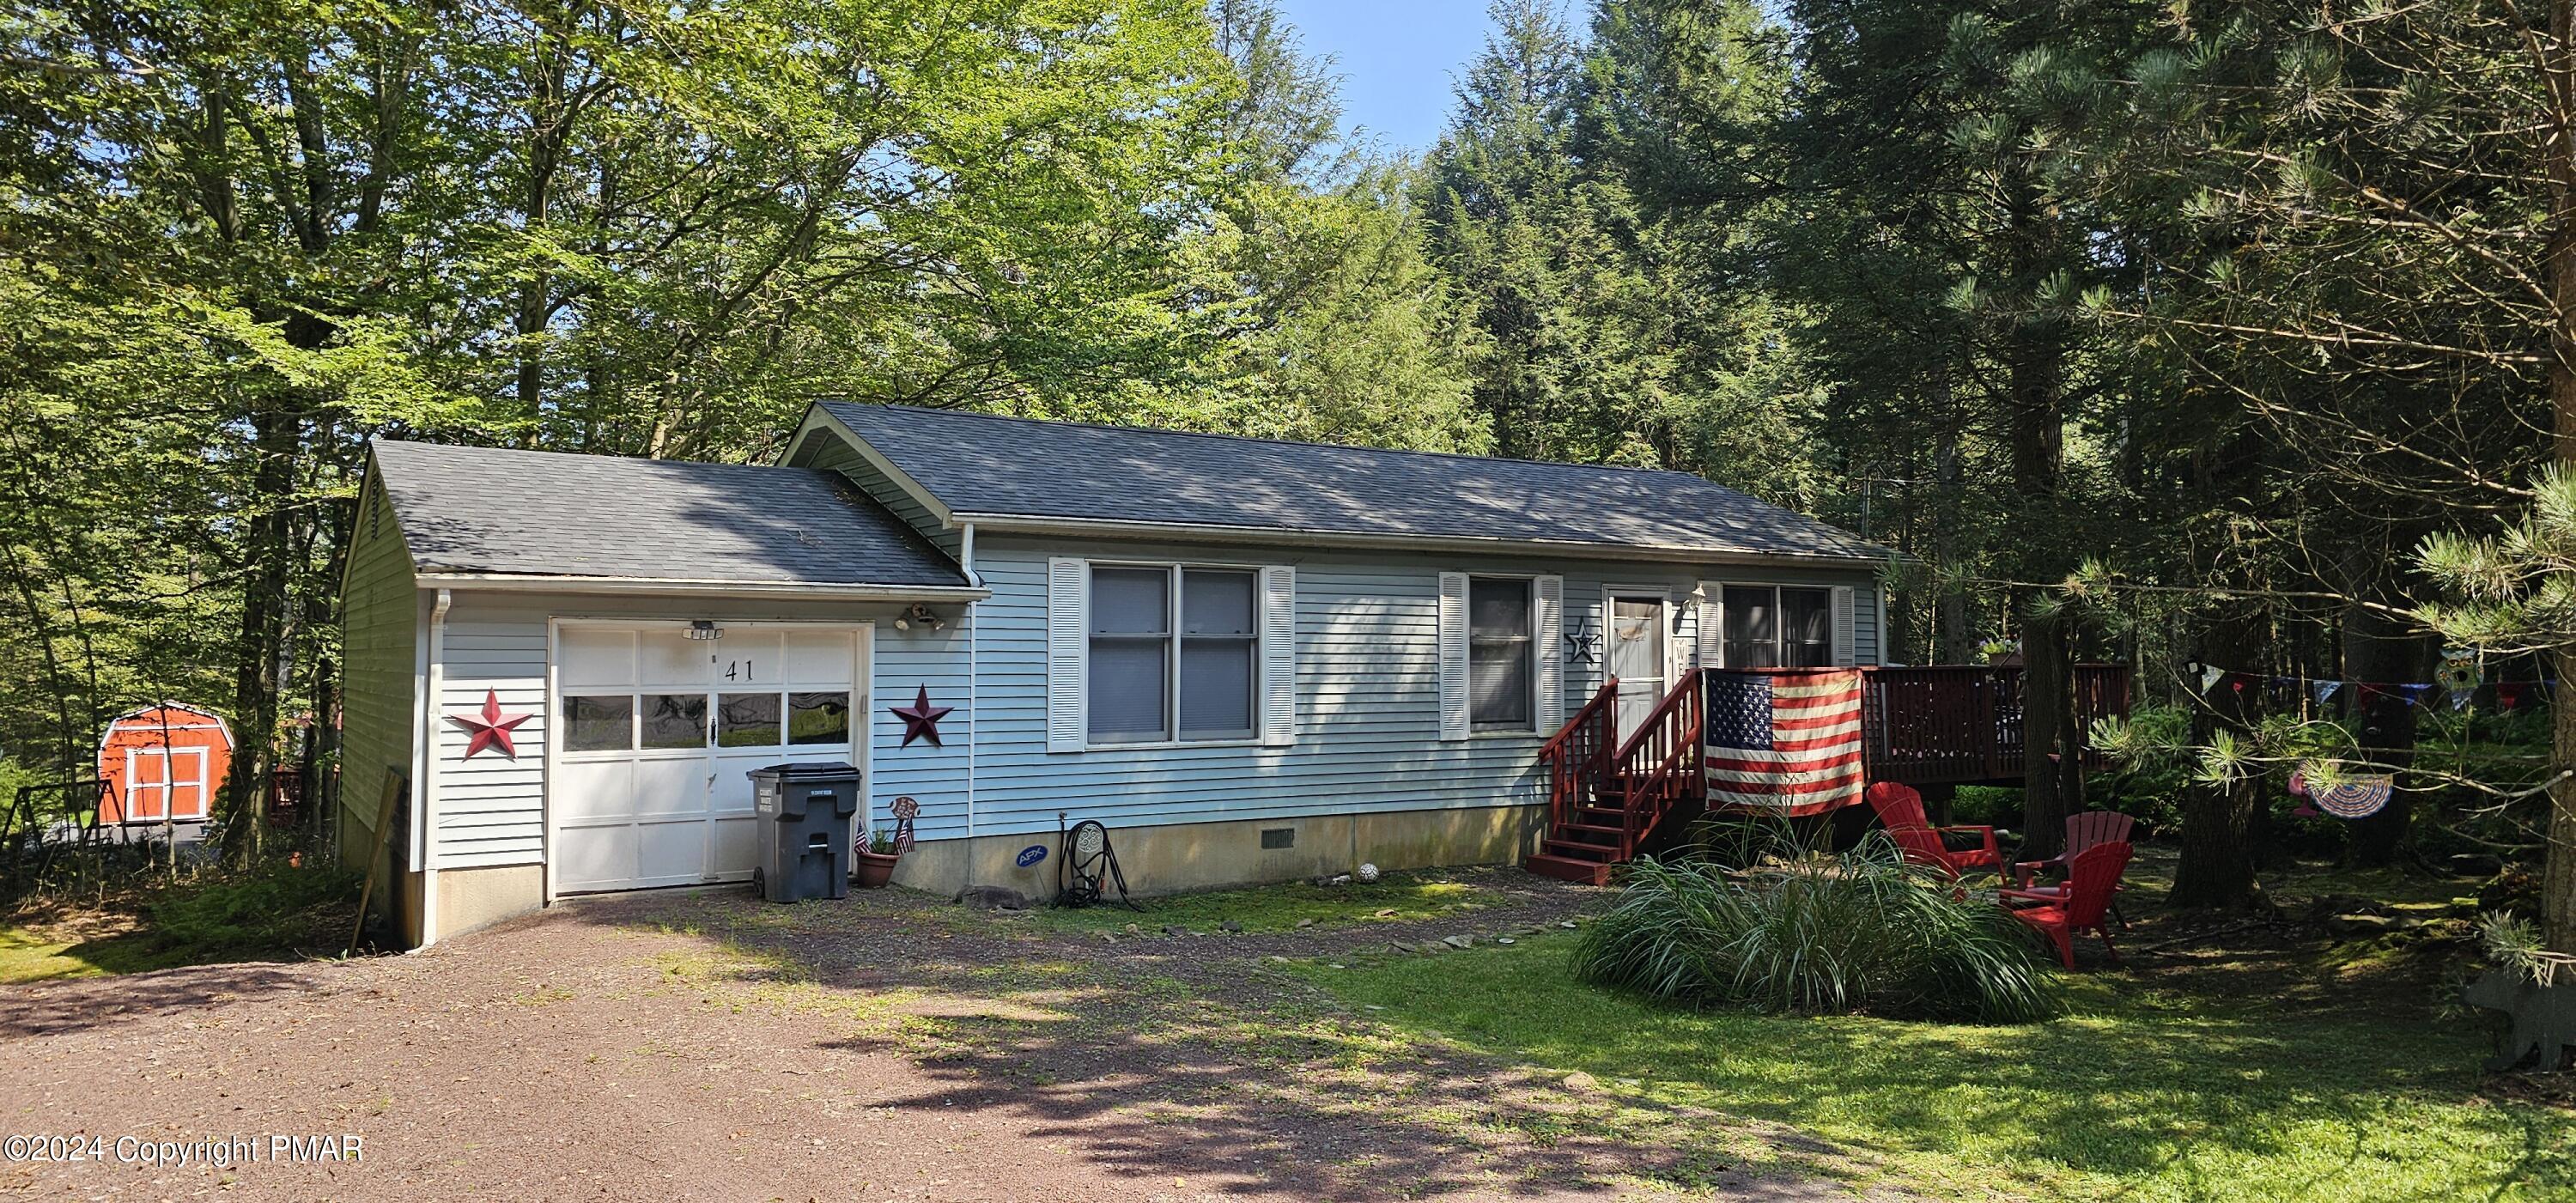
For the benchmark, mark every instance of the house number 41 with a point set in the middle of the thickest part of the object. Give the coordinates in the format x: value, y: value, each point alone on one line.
x: 742, y: 667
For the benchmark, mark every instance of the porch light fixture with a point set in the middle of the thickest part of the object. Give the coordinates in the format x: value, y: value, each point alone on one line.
x: 919, y: 613
x: 703, y: 628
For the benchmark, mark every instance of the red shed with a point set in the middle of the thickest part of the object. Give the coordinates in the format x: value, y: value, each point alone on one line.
x: 165, y: 762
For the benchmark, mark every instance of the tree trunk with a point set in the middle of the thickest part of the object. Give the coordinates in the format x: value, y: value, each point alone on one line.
x: 2558, y: 875
x: 257, y: 680
x: 2377, y: 648
x: 1953, y: 642
x: 2216, y: 869
x: 2045, y: 802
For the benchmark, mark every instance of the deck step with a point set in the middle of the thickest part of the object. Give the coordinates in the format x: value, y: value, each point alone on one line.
x: 1613, y: 830
x: 1576, y: 850
x: 1563, y: 869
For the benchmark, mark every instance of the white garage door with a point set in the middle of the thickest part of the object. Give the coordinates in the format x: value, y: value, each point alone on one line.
x: 656, y: 732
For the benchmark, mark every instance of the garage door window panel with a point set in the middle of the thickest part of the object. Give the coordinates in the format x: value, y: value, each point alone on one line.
x: 748, y: 720
x: 818, y: 718
x: 599, y: 722
x: 674, y: 720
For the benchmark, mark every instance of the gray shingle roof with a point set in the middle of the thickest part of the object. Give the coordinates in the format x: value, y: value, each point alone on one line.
x: 480, y: 509
x: 988, y: 465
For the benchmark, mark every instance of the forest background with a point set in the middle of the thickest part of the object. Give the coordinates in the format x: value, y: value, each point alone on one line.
x: 2184, y: 335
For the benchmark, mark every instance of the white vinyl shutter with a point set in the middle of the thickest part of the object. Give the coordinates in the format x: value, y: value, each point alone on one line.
x: 1711, y: 644
x: 1453, y: 655
x: 1278, y: 655
x: 1547, y: 630
x: 1846, y: 628
x: 1068, y: 642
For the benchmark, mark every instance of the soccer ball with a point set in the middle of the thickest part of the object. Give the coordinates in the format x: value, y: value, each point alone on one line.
x: 1368, y: 872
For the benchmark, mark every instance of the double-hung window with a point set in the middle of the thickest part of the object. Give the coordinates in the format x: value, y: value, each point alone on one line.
x: 1500, y: 654
x: 1779, y: 626
x: 1172, y: 654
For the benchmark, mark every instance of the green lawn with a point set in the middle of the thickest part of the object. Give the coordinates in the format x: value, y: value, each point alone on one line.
x: 2132, y: 1096
x: 1281, y: 907
x: 43, y: 954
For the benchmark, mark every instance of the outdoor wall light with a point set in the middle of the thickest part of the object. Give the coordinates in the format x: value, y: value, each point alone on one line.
x: 919, y: 613
x: 705, y: 629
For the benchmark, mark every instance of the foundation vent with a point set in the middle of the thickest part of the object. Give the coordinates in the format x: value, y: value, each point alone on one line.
x: 1278, y: 837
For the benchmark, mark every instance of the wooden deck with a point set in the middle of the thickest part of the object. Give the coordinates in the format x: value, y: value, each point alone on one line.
x: 1608, y: 789
x: 1961, y: 724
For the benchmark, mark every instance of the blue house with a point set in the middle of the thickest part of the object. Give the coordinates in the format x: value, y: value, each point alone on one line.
x: 1253, y: 660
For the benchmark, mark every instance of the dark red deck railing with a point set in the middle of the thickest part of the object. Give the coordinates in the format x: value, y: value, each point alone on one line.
x: 1578, y: 759
x: 1660, y: 766
x: 1954, y: 723
x: 1920, y: 726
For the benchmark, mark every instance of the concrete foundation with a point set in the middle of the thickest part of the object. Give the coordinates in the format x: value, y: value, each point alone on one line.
x: 1185, y: 857
x: 472, y: 898
x: 1175, y: 859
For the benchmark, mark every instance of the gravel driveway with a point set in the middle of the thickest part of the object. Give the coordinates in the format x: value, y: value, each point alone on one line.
x: 706, y: 1046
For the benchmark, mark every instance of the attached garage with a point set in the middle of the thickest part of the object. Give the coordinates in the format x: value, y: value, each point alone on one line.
x: 660, y: 723
x: 562, y: 668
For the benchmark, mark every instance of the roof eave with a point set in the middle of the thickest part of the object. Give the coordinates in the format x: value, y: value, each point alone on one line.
x: 1040, y: 524
x: 516, y: 582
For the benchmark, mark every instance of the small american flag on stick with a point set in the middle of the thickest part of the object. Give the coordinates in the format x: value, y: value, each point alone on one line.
x: 1784, y: 742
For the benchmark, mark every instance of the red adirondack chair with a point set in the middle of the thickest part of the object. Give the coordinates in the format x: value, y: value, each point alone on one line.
x: 1900, y: 810
x: 2079, y: 905
x: 2083, y: 831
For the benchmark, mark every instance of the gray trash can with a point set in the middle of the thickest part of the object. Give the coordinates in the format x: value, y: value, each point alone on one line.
x: 804, y: 813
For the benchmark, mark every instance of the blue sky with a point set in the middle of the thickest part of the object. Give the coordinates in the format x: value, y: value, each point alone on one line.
x: 1397, y: 59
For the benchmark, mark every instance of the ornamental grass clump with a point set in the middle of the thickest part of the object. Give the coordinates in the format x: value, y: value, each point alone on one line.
x: 1864, y: 931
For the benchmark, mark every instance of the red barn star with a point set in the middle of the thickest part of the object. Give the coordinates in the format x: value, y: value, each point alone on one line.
x: 921, y: 719
x: 492, y: 729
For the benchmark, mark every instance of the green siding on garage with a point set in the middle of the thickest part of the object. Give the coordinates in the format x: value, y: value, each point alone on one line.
x: 379, y: 651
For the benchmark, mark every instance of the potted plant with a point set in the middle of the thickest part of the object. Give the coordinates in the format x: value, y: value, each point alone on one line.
x: 873, y: 865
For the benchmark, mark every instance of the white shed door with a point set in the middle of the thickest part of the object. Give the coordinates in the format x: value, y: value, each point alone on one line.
x: 655, y: 733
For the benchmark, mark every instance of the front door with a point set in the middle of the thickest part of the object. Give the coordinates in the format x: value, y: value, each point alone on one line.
x: 1636, y: 655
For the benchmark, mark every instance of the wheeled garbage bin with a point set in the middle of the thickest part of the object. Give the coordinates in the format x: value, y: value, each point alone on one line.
x: 804, y: 813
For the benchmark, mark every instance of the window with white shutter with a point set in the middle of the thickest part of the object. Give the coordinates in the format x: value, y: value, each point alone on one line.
x: 1279, y: 655
x: 1068, y: 629
x: 1548, y: 623
x: 1453, y: 655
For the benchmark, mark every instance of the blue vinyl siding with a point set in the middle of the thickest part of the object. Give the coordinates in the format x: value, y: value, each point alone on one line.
x: 936, y: 777
x: 1368, y: 737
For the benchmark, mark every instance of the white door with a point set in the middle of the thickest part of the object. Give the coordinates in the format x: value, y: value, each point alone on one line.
x: 1635, y: 654
x: 165, y: 783
x: 655, y: 733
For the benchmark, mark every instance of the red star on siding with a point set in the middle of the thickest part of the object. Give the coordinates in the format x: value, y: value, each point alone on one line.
x: 492, y: 730
x: 921, y: 719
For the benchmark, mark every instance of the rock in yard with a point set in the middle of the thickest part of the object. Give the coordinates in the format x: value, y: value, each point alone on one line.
x: 1134, y: 930
x: 1567, y: 925
x: 1280, y: 959
x: 1305, y: 923
x: 1231, y: 925
x: 994, y: 898
x: 1175, y: 929
x: 2367, y: 925
x: 1386, y: 912
x: 1579, y: 1080
x: 1505, y: 940
x: 1458, y: 941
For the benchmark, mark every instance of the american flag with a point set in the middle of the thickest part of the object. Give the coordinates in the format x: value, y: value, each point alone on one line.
x: 1784, y: 742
